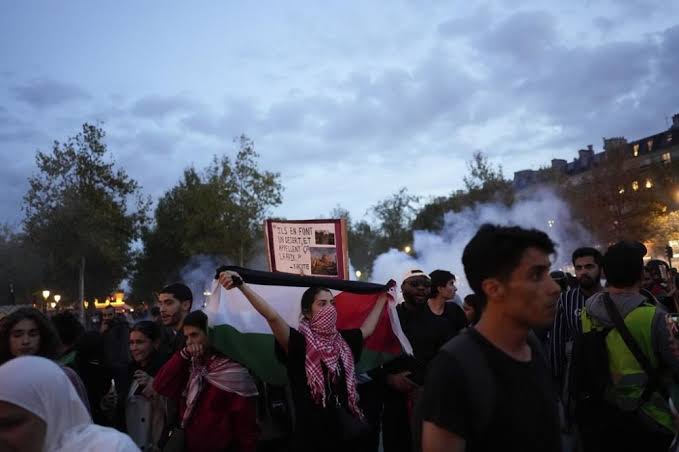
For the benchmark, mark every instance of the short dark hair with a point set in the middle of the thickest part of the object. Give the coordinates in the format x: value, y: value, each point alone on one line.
x: 623, y: 264
x: 197, y: 319
x: 68, y: 328
x: 179, y: 291
x: 477, y: 304
x: 309, y: 296
x: 49, y: 340
x: 155, y: 310
x: 439, y: 278
x: 148, y: 328
x: 495, y: 252
x: 588, y: 251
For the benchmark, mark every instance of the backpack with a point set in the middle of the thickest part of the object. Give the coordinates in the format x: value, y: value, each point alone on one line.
x: 588, y: 379
x: 589, y: 400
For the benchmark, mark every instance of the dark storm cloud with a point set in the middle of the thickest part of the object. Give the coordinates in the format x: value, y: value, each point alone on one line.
x: 604, y: 89
x: 43, y: 93
x: 523, y: 37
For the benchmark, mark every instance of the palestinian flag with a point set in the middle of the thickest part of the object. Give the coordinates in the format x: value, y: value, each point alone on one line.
x: 238, y: 331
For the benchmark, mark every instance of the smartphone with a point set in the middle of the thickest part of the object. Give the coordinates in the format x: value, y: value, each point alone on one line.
x: 663, y: 273
x: 674, y: 324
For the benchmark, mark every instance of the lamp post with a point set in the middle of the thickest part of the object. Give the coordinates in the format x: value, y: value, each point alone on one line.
x: 45, y: 296
x: 57, y: 298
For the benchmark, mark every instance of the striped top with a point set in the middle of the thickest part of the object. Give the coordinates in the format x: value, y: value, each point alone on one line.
x: 566, y: 326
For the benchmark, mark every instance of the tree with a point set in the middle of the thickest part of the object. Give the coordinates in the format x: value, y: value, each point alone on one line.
x: 362, y: 241
x: 81, y: 208
x: 217, y: 213
x: 615, y: 202
x: 21, y: 269
x: 395, y: 216
x: 484, y: 183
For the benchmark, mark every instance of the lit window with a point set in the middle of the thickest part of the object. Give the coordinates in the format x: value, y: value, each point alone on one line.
x: 635, y: 149
x: 666, y: 157
x: 635, y: 185
x: 649, y: 143
x: 621, y: 190
x: 649, y: 183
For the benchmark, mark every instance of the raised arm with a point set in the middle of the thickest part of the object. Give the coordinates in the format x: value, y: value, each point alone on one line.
x: 279, y: 327
x: 371, y: 321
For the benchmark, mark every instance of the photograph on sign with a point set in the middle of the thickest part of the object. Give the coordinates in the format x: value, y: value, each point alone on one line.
x: 323, y: 261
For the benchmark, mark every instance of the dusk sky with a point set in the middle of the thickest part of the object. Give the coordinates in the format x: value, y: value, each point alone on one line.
x: 347, y: 100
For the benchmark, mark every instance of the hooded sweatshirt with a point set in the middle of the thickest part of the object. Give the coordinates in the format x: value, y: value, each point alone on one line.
x: 665, y: 346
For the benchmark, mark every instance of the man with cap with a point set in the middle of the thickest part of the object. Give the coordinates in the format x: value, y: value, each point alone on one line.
x: 406, y: 373
x: 651, y: 426
x: 216, y: 395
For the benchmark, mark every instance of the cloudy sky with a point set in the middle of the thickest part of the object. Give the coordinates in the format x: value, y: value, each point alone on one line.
x: 347, y: 100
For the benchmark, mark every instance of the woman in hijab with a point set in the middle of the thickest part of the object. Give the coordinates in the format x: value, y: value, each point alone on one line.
x: 320, y: 362
x: 40, y: 411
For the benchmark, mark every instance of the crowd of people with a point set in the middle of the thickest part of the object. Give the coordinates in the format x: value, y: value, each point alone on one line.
x: 506, y: 369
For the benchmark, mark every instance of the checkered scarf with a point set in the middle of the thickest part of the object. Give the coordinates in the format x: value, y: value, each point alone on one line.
x: 220, y: 372
x: 325, y: 345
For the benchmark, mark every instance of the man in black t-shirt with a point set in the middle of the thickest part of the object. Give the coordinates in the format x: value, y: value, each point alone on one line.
x: 515, y: 409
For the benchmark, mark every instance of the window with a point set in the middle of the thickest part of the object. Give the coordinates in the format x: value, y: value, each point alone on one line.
x: 635, y: 149
x: 649, y: 143
x: 667, y: 158
x: 649, y: 183
x: 635, y: 185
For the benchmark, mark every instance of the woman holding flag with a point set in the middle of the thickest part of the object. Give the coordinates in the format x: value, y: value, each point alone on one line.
x: 320, y: 364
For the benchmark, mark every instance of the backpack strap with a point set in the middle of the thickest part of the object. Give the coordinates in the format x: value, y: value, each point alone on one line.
x: 479, y: 379
x: 654, y: 382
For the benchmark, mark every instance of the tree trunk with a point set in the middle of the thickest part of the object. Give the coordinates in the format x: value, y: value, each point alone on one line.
x: 81, y: 291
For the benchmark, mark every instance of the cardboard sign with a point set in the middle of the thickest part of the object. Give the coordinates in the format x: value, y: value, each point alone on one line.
x: 308, y: 247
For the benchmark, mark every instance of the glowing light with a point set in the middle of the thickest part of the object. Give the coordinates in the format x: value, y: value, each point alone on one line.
x: 635, y: 185
x: 53, y: 304
x: 358, y: 273
x: 207, y: 294
x: 551, y: 223
x: 649, y: 183
x: 407, y: 249
x: 57, y: 298
x: 45, y: 294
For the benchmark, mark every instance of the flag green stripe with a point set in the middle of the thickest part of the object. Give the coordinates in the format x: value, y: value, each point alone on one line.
x: 256, y: 352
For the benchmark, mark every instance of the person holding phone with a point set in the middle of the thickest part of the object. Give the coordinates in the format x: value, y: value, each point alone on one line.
x: 145, y: 411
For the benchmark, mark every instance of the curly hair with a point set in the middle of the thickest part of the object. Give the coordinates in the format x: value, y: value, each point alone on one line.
x: 49, y: 340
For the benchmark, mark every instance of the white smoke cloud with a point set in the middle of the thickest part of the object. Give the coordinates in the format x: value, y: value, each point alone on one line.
x: 541, y: 209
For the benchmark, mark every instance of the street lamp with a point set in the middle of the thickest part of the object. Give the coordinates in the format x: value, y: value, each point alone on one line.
x: 550, y: 223
x: 45, y: 296
x: 407, y: 249
x: 57, y: 298
x: 358, y: 274
x: 53, y: 304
